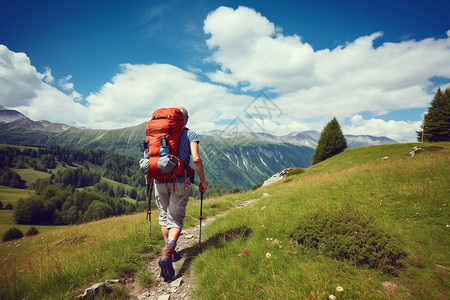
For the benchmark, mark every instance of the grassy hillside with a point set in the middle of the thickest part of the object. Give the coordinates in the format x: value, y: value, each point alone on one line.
x: 11, y: 195
x: 251, y: 253
x: 405, y: 198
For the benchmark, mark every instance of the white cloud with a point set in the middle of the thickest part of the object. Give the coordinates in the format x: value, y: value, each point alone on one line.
x: 312, y: 86
x: 250, y: 49
x: 25, y: 89
x: 65, y: 83
x: 343, y: 81
x: 55, y: 106
x: 19, y: 80
x: 134, y: 93
x: 48, y: 78
x: 396, y: 130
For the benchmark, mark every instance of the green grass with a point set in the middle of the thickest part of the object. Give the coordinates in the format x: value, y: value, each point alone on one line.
x: 406, y: 197
x: 30, y: 175
x: 57, y: 263
x: 248, y: 253
x: 11, y: 195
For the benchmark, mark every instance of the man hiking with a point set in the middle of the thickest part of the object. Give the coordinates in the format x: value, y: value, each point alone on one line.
x: 172, y: 196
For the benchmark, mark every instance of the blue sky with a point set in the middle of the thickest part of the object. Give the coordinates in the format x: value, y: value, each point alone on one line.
x: 375, y: 65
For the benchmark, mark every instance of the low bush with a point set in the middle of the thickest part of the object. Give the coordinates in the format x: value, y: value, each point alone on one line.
x: 12, y: 234
x: 347, y: 234
x: 32, y: 231
x: 257, y: 186
x: 295, y: 171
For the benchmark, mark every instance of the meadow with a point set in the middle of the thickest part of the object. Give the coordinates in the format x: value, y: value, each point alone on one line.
x: 11, y: 195
x: 405, y: 198
x: 253, y: 252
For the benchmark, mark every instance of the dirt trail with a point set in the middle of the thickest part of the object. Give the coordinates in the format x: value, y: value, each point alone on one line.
x: 188, y: 247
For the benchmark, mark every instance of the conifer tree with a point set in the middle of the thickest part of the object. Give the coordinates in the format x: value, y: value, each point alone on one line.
x: 436, y: 122
x: 331, y: 142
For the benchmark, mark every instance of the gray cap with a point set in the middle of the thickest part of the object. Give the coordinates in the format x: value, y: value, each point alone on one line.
x: 184, y: 111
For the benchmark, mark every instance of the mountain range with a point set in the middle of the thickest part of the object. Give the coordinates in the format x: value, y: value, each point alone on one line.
x: 241, y: 159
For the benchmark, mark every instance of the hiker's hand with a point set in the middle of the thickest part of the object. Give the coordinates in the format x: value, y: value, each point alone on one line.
x: 202, y: 187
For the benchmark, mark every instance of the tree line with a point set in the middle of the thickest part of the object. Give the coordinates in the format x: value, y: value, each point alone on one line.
x: 117, y: 167
x: 75, y: 191
x: 58, y: 204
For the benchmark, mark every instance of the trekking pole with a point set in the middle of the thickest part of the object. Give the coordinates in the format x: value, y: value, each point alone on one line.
x: 201, y: 217
x: 149, y: 203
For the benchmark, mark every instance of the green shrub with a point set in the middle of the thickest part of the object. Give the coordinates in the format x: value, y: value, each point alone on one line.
x: 295, y: 171
x: 12, y: 234
x: 347, y: 234
x: 10, y: 178
x: 29, y: 211
x: 32, y: 231
x: 257, y: 186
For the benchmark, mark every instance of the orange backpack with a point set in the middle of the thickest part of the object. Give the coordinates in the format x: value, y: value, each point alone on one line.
x: 163, y: 132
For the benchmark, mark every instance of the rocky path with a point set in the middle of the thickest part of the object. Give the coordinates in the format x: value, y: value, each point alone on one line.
x: 182, y: 285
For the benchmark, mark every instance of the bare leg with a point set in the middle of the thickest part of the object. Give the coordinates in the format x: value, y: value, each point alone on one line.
x: 174, y: 233
x: 165, y: 233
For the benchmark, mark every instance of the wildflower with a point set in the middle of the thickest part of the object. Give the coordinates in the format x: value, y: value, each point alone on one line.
x: 246, y: 252
x: 268, y: 255
x: 332, y: 297
x: 340, y: 289
x: 263, y: 208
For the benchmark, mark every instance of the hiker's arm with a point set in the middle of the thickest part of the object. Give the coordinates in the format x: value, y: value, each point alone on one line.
x: 198, y: 166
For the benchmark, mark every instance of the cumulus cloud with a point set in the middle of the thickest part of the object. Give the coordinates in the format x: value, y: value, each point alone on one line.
x: 309, y: 86
x: 396, y: 130
x: 321, y: 84
x: 68, y: 86
x: 350, y: 78
x: 134, y: 93
x: 250, y: 49
x: 23, y: 88
x: 48, y: 78
x: 19, y: 80
x: 65, y: 83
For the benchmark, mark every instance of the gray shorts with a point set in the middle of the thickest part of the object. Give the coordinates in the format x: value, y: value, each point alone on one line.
x: 172, y: 206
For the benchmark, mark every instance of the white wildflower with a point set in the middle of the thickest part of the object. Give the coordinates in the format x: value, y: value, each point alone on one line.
x: 332, y: 297
x: 268, y: 255
x: 340, y: 289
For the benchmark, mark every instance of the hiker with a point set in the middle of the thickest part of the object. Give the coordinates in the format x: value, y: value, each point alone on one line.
x: 172, y: 198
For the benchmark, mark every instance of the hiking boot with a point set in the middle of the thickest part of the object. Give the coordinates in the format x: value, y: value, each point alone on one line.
x: 165, y: 262
x: 176, y: 256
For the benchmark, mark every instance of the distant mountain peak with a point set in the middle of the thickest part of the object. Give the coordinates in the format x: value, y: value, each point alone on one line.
x: 9, y: 115
x: 14, y: 119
